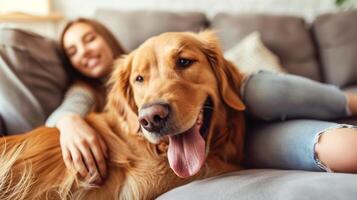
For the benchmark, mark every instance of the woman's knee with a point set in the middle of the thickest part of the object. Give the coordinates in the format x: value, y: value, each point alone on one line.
x: 336, y: 149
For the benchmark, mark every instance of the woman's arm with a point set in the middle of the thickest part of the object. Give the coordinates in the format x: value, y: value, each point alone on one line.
x: 79, y: 100
x: 83, y: 149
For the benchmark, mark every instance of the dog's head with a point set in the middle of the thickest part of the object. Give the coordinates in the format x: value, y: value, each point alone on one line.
x: 180, y: 87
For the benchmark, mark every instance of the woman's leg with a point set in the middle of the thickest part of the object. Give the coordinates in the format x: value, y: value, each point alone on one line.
x: 337, y: 149
x: 291, y: 145
x: 270, y: 96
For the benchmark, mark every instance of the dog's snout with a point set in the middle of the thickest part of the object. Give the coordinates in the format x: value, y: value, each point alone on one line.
x: 153, y: 118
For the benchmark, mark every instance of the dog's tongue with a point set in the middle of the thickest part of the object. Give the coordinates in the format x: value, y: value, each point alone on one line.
x: 186, y: 152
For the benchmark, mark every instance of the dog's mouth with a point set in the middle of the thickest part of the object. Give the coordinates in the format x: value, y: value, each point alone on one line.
x: 187, y: 150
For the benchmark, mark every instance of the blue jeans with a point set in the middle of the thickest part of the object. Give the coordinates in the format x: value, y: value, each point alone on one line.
x: 286, y: 113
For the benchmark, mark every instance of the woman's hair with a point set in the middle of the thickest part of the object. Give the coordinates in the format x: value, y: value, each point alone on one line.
x: 108, y: 37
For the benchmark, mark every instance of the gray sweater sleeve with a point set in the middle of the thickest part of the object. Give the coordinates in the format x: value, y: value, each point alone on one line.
x: 77, y: 100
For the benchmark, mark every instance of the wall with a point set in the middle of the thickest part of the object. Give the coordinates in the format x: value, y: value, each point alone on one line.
x: 307, y: 8
x: 86, y: 8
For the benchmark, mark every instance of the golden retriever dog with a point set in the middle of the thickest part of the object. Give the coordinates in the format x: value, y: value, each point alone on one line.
x: 173, y: 115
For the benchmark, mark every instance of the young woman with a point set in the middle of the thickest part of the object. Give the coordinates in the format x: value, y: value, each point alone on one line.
x: 90, y: 49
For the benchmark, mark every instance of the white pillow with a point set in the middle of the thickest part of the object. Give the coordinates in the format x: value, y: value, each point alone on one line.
x: 250, y: 55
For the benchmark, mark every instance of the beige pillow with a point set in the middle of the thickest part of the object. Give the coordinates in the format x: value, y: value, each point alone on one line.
x: 250, y: 55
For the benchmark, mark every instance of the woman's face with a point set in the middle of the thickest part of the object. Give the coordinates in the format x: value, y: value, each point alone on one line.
x: 87, y: 50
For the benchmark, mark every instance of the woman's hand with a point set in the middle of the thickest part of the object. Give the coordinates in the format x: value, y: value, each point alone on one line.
x: 82, y: 148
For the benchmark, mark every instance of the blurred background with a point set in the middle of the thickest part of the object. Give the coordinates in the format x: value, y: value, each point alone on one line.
x: 46, y: 16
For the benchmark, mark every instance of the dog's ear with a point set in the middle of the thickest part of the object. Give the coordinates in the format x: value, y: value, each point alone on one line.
x: 228, y: 77
x: 120, y: 92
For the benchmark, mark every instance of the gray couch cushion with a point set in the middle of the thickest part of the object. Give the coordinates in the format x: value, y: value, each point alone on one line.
x: 32, y: 78
x: 133, y: 27
x: 288, y: 37
x: 2, y: 126
x: 269, y: 184
x: 352, y: 88
x: 336, y: 36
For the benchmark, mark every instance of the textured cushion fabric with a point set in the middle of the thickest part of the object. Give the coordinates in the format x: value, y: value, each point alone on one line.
x: 348, y: 120
x: 250, y: 55
x: 33, y: 79
x: 286, y: 36
x: 336, y: 36
x: 266, y: 184
x: 133, y: 27
x: 352, y: 88
x: 19, y: 108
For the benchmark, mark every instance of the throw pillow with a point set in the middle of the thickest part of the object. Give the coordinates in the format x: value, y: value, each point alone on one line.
x: 32, y: 79
x: 250, y: 55
x: 287, y: 36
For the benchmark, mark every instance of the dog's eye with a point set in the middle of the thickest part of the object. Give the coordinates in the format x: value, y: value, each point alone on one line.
x: 183, y: 62
x: 139, y: 78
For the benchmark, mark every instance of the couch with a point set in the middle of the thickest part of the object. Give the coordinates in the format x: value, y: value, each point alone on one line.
x: 323, y: 51
x: 33, y: 79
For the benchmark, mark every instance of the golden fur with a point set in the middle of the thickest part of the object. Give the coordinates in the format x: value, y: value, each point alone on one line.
x: 32, y: 166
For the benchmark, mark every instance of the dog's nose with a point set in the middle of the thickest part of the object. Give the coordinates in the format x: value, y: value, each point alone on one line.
x: 153, y: 118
